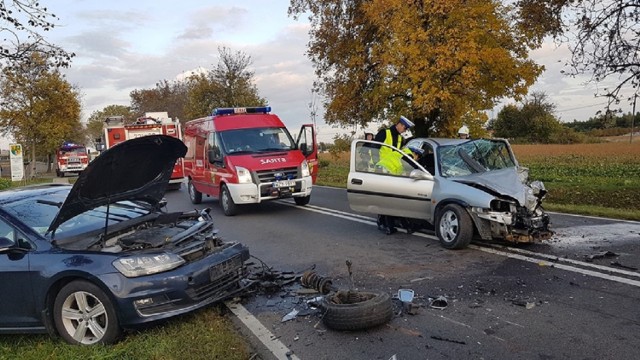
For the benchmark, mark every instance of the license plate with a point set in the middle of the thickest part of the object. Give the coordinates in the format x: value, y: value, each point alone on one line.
x: 224, y: 268
x: 284, y: 183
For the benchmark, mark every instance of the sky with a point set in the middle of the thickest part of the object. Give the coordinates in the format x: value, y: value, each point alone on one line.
x: 125, y: 45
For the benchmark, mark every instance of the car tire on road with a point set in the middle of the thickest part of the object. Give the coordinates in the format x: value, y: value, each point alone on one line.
x: 369, y: 309
x: 226, y: 201
x: 194, y: 195
x: 303, y: 200
x: 84, y: 315
x: 454, y: 227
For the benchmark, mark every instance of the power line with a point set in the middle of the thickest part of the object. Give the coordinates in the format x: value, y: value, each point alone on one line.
x: 582, y: 107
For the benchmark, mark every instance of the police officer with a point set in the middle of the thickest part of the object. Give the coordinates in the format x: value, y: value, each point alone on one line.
x: 392, y: 135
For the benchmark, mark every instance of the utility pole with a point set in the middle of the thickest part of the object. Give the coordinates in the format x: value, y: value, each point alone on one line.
x: 633, y: 118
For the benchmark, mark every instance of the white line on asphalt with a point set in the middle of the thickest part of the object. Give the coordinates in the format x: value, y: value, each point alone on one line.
x: 361, y: 219
x: 593, y: 217
x: 277, y: 348
x: 559, y: 266
x: 570, y: 261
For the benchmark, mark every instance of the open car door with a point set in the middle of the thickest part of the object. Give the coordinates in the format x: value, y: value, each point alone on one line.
x: 372, y: 190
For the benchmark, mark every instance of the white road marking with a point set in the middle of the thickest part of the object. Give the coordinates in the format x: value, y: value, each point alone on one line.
x: 277, y: 348
x: 512, y: 253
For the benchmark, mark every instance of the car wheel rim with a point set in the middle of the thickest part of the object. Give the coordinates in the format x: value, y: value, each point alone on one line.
x: 225, y: 199
x: 84, y: 317
x: 449, y: 226
x: 191, y: 192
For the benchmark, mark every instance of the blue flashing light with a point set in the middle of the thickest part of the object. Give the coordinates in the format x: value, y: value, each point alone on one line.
x: 243, y: 110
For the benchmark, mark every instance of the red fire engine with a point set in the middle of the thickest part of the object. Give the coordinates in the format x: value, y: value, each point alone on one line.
x: 247, y: 156
x: 155, y: 123
x: 71, y: 158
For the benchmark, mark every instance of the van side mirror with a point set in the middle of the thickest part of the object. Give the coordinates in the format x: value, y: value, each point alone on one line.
x: 303, y: 148
x: 214, y: 156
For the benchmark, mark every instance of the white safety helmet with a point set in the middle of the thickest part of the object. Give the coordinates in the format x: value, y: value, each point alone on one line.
x: 464, y: 130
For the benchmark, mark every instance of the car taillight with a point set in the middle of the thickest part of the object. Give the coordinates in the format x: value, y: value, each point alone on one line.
x: 63, y: 161
x: 85, y: 160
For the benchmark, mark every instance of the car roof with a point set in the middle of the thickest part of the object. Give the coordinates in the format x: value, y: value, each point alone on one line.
x: 441, y: 141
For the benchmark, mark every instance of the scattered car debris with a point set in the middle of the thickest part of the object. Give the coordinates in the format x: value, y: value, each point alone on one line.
x: 618, y: 264
x: 600, y: 255
x: 434, y: 337
x: 526, y: 304
x: 439, y: 303
x: 355, y: 310
x: 312, y: 280
x: 290, y: 316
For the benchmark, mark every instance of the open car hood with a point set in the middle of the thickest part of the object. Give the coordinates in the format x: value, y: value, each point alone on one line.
x: 137, y: 169
x: 505, y: 182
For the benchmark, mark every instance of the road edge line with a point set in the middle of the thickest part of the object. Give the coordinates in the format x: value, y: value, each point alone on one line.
x: 266, y: 337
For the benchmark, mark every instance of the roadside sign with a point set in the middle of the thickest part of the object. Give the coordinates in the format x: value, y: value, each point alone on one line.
x: 17, y: 165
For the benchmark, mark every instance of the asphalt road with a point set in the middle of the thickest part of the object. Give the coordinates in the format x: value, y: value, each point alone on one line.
x: 574, y: 297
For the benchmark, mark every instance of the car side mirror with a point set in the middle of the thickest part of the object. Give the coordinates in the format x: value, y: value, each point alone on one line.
x: 6, y: 245
x: 420, y: 175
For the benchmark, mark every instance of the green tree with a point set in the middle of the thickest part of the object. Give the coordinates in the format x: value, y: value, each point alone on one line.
x: 39, y: 108
x: 438, y: 62
x: 229, y: 84
x: 95, y: 123
x: 23, y: 19
x: 533, y: 122
x: 169, y: 96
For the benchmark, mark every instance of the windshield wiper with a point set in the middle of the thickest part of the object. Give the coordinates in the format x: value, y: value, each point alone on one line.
x: 48, y: 202
x: 273, y: 149
x: 241, y: 152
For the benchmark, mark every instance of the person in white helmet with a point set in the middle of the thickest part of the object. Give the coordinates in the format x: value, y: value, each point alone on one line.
x: 463, y: 133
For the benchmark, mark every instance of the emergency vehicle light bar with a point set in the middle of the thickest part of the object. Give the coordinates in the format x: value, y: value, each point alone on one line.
x: 243, y: 110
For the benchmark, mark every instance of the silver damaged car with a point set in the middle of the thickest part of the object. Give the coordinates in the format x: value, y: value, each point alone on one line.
x: 460, y: 188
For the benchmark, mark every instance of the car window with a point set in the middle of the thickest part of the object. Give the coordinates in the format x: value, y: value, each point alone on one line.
x: 382, y: 159
x: 366, y: 155
x: 7, y: 230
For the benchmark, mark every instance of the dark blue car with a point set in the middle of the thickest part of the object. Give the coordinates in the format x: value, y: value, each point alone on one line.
x: 87, y: 261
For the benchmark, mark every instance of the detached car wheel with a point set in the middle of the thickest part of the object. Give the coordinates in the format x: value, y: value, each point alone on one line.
x: 226, y: 201
x: 454, y: 227
x: 303, y: 200
x: 194, y: 195
x: 356, y: 310
x: 83, y: 314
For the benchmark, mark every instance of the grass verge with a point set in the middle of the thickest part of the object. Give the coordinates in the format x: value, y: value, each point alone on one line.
x: 205, y: 334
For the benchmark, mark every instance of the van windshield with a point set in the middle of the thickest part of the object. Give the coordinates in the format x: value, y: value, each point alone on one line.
x: 256, y: 140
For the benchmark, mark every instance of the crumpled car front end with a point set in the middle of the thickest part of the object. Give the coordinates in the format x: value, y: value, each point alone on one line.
x: 508, y: 206
x: 506, y: 219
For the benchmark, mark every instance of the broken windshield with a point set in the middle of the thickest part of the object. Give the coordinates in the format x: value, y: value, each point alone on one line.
x: 474, y: 156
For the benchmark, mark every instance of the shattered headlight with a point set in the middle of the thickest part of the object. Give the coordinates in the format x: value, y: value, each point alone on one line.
x: 140, y: 265
x: 538, y: 188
